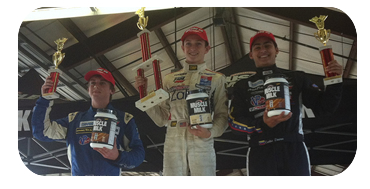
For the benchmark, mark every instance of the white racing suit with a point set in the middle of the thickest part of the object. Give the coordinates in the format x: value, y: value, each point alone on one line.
x: 183, y: 151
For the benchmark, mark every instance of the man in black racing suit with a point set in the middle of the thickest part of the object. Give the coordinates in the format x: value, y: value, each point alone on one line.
x: 276, y: 144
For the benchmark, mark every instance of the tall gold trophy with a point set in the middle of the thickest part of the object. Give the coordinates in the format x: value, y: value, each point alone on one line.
x: 159, y: 95
x: 326, y: 52
x: 54, y: 71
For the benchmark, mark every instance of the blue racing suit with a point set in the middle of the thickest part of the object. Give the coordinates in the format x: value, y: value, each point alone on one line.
x: 76, y: 129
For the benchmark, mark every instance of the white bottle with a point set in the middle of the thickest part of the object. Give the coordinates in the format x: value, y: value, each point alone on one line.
x: 276, y: 91
x: 199, y: 108
x: 104, y: 129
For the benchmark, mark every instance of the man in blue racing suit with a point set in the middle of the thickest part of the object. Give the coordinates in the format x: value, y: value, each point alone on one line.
x: 128, y: 151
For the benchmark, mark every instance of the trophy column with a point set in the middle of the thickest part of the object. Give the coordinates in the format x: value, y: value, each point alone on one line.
x: 54, y: 71
x: 145, y: 54
x: 155, y: 97
x: 51, y: 94
x: 326, y: 53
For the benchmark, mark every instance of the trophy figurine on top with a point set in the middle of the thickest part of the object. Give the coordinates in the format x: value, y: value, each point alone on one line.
x: 54, y: 71
x: 326, y: 52
x: 159, y: 95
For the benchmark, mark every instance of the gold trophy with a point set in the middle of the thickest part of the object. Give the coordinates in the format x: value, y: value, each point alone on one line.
x: 54, y: 71
x: 326, y: 52
x: 159, y: 95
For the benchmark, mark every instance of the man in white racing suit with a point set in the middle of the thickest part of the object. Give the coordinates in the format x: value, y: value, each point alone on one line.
x: 186, y: 149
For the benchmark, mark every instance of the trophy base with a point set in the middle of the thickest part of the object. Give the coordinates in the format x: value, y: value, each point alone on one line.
x: 152, y: 99
x: 148, y: 64
x: 333, y: 80
x: 50, y: 96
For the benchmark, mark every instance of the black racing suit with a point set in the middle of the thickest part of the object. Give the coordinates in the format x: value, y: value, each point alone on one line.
x: 279, y: 150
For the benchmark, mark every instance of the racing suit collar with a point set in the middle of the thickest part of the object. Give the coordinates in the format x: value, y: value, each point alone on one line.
x: 194, y: 67
x: 267, y: 70
x: 93, y: 110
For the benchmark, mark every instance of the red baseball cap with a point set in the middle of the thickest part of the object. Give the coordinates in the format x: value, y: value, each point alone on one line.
x: 103, y: 72
x: 262, y: 33
x: 197, y: 31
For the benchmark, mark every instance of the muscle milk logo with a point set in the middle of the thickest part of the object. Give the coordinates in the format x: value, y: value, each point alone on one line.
x: 199, y: 106
x: 99, y: 124
x: 271, y: 91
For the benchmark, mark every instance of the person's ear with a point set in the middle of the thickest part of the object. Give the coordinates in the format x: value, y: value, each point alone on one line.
x: 207, y: 49
x: 112, y: 89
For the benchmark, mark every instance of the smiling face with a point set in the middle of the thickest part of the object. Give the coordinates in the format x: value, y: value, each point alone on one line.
x: 100, y: 89
x: 263, y: 52
x: 195, y: 49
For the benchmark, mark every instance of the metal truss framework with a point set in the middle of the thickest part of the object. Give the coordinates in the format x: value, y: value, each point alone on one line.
x: 38, y: 160
x: 326, y: 130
